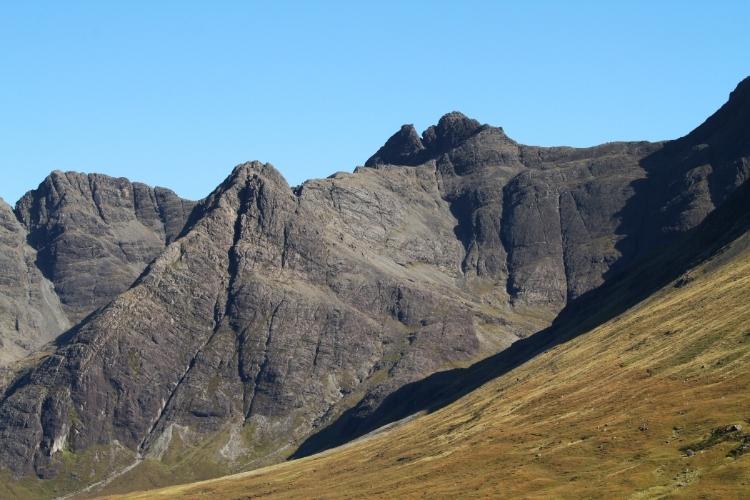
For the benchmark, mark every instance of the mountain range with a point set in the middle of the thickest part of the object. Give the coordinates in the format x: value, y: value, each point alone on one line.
x: 148, y: 340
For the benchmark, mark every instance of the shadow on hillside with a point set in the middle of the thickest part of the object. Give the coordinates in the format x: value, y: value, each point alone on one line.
x: 620, y: 291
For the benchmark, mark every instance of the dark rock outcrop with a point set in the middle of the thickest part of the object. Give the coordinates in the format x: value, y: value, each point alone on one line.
x: 403, y: 148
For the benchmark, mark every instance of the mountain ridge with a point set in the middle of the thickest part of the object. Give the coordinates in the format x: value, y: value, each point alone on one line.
x: 260, y: 315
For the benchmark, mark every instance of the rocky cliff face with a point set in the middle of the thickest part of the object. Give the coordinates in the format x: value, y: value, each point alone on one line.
x: 71, y: 246
x: 95, y: 234
x: 545, y: 224
x: 30, y: 311
x: 276, y: 312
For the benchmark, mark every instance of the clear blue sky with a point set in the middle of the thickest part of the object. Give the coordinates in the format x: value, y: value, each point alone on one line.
x: 176, y: 93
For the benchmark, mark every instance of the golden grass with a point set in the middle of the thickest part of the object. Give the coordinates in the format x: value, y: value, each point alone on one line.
x: 604, y: 415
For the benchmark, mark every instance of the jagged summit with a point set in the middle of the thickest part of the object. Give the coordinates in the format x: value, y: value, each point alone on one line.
x: 406, y: 147
x: 260, y: 169
x: 94, y: 234
x: 452, y: 129
x: 402, y: 148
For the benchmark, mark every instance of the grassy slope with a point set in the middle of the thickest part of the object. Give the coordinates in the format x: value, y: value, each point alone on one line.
x: 604, y: 414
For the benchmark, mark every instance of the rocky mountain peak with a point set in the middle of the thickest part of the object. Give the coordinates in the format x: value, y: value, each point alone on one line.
x: 256, y: 168
x: 406, y: 147
x: 452, y: 129
x: 402, y: 148
x: 94, y: 234
x: 254, y: 175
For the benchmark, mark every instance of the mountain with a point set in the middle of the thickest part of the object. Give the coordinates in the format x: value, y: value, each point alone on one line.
x: 71, y: 246
x: 95, y: 234
x: 649, y: 404
x: 266, y: 321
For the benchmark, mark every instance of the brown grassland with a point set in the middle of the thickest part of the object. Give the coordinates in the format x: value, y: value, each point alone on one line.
x: 611, y: 413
